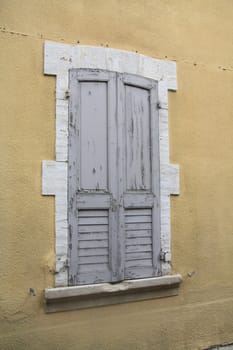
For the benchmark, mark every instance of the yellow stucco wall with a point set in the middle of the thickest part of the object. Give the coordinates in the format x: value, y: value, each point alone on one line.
x: 198, y: 35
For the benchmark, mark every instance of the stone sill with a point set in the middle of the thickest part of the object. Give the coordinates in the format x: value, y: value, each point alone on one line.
x: 85, y: 296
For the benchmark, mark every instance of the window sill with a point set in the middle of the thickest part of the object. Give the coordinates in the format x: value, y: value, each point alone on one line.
x: 80, y: 297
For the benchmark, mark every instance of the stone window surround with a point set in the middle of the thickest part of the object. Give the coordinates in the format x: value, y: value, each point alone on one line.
x: 58, y: 59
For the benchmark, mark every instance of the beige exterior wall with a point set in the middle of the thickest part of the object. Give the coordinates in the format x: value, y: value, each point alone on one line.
x: 198, y: 35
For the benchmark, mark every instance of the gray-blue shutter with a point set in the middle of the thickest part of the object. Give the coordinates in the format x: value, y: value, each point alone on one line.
x: 113, y: 186
x: 139, y: 139
x: 92, y: 188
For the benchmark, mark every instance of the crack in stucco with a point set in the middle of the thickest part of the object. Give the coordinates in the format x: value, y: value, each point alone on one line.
x: 3, y: 29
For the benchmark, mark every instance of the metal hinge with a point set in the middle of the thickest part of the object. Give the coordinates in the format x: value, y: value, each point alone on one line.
x: 165, y: 256
x: 67, y: 94
x: 66, y: 263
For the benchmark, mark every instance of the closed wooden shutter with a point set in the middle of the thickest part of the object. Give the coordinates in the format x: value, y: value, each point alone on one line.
x: 92, y: 186
x: 137, y: 100
x: 113, y: 188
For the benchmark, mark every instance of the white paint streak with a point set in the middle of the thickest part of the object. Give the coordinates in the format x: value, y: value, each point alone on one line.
x: 54, y: 182
x: 58, y: 59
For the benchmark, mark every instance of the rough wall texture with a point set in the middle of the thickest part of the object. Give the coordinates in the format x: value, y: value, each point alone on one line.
x: 196, y: 34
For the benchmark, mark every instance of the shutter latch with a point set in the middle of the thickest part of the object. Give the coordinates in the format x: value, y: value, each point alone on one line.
x: 165, y: 256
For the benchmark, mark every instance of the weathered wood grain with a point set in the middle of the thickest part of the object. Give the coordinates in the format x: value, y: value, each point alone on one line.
x: 138, y: 167
x: 93, y: 136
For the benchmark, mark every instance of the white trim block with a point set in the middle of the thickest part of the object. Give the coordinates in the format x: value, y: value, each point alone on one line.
x: 59, y: 58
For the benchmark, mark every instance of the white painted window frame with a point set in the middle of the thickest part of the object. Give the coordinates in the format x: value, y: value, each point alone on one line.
x: 58, y: 59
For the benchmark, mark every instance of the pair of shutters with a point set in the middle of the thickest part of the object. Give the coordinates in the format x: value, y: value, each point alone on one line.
x: 113, y: 186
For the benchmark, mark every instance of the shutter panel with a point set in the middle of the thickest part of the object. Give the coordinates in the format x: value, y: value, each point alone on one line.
x: 92, y: 186
x: 140, y: 190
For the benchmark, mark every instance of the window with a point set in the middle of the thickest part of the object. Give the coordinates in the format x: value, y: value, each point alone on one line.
x: 112, y: 164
